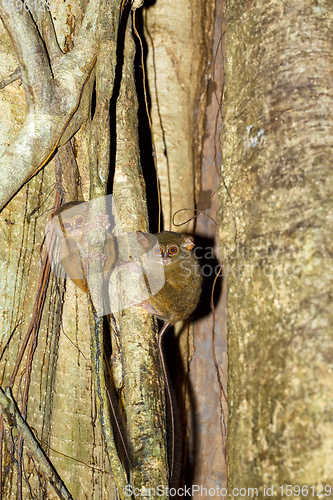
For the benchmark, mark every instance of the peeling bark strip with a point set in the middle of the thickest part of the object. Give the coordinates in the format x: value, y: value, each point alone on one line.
x: 276, y: 226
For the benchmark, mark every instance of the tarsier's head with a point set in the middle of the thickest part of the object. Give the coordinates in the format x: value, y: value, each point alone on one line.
x: 172, y: 247
x: 72, y: 218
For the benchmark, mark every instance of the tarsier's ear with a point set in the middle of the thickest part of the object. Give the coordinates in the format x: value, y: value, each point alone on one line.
x: 187, y: 242
x: 146, y: 240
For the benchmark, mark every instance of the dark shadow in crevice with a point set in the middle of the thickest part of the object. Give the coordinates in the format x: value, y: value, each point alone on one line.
x: 145, y: 139
x: 115, y: 94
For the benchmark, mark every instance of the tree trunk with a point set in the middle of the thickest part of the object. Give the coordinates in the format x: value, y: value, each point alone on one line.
x: 67, y: 104
x: 276, y: 225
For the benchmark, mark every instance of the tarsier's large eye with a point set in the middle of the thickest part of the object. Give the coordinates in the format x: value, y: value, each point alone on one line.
x: 66, y: 225
x: 158, y: 250
x: 173, y: 250
x: 79, y: 221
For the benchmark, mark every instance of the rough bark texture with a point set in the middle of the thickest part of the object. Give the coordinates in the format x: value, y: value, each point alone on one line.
x: 180, y: 67
x: 276, y: 226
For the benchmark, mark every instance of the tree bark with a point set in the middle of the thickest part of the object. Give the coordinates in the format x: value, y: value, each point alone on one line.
x: 276, y: 225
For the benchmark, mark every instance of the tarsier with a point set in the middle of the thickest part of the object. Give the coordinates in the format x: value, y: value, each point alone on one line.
x: 175, y: 301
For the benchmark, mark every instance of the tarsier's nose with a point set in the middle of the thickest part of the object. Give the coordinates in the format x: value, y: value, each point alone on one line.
x: 166, y: 259
x: 76, y: 231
